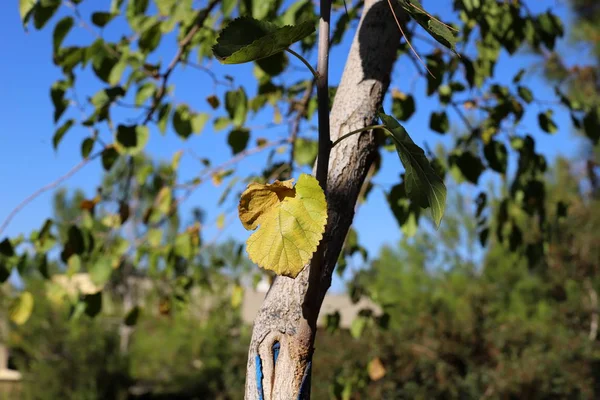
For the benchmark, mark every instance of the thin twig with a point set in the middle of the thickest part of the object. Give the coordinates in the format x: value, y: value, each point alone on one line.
x: 45, y: 188
x: 463, y: 117
x: 406, y: 38
x: 183, y: 46
x: 304, y: 61
x: 211, y: 171
x: 207, y: 70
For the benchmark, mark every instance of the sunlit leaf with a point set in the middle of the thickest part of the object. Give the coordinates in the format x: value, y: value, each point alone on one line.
x: 21, y: 308
x: 61, y: 29
x: 131, y: 139
x: 291, y: 219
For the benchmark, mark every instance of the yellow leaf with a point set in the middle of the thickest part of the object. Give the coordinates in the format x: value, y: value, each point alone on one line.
x: 21, y: 308
x: 376, y: 369
x: 221, y: 221
x: 176, y: 159
x: 237, y: 295
x: 396, y: 94
x: 111, y: 221
x: 277, y: 116
x: 292, y: 221
x: 164, y: 199
x: 73, y: 265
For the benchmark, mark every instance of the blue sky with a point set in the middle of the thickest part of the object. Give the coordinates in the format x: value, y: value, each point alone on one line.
x: 29, y: 162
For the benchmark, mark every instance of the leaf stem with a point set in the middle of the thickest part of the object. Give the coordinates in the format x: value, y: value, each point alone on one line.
x: 304, y: 61
x: 366, y: 128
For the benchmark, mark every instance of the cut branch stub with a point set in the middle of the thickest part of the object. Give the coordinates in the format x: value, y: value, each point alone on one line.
x: 247, y: 39
x: 423, y: 184
x: 291, y: 219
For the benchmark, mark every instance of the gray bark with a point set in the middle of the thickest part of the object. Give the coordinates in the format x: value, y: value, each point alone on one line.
x: 290, y: 310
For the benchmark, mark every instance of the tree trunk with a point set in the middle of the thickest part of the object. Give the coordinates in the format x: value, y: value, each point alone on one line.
x: 285, y: 327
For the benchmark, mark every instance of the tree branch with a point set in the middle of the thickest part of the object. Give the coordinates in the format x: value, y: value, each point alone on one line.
x: 183, y: 46
x: 287, y: 318
x: 45, y: 188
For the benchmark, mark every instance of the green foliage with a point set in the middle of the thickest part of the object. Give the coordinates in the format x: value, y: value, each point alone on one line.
x: 423, y: 184
x: 248, y: 39
x: 461, y: 326
x: 438, y: 30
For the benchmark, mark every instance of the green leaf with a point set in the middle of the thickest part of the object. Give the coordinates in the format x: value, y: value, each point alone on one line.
x: 114, y: 77
x: 86, y: 147
x: 305, y: 151
x: 154, y: 237
x: 21, y: 308
x: 164, y: 199
x: 25, y: 9
x: 4, y: 271
x: 61, y: 30
x: 423, y: 184
x: 546, y: 122
x: 6, y: 248
x: 109, y: 157
x: 144, y: 92
x: 262, y: 9
x: 100, y: 19
x: 405, y: 211
x: 236, y: 104
x: 358, y: 326
x: 164, y: 112
x: 150, y: 38
x: 44, y: 10
x: 403, y: 105
x: 525, y: 94
x: 591, y: 125
x: 227, y: 6
x: 247, y: 39
x: 182, y: 121
x: 437, y: 67
x: 496, y: 155
x: 273, y: 65
x: 221, y: 123
x: 57, y: 94
x: 183, y: 245
x: 292, y: 221
x: 435, y: 28
x: 238, y: 140
x: 131, y: 139
x: 104, y: 56
x: 101, y: 271
x: 93, y: 304
x: 199, y: 121
x: 73, y: 265
x: 438, y: 122
x: 60, y: 132
x: 136, y: 8
x: 469, y: 165
x: 132, y: 316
